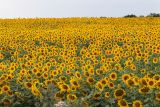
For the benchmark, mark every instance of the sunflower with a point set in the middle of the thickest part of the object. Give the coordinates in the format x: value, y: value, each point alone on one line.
x: 99, y: 86
x: 86, y: 74
x: 119, y: 93
x: 90, y: 80
x: 96, y: 96
x: 38, y: 75
x: 156, y: 77
x: 1, y: 91
x: 104, y: 82
x: 144, y: 90
x: 99, y: 71
x: 71, y: 97
x: 157, y: 85
x: 7, y: 102
x: 143, y: 81
x: 157, y: 96
x: 5, y: 88
x: 74, y: 82
x: 130, y: 83
x: 137, y: 103
x: 123, y: 103
x: 45, y: 75
x: 113, y: 76
x: 36, y: 92
x: 107, y: 95
x: 64, y: 87
x: 125, y: 77
x: 155, y: 60
x: 73, y: 88
x: 58, y: 95
x: 133, y: 67
x: 10, y: 93
x: 63, y: 78
x: 111, y: 85
x: 28, y: 85
x: 54, y: 73
x: 78, y: 75
x: 151, y: 83
x: 91, y: 71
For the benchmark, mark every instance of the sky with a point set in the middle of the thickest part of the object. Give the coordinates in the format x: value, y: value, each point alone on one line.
x: 76, y: 8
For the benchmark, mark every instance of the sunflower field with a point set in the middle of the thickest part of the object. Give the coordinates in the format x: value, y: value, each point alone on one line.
x: 80, y: 62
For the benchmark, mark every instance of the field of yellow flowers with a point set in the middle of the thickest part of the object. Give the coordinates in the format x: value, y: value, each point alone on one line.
x: 80, y: 62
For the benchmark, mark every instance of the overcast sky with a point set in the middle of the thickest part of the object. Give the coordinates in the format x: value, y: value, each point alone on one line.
x: 76, y: 8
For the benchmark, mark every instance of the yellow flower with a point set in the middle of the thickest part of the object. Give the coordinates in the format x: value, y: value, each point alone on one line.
x: 119, y: 93
x: 144, y: 90
x: 96, y: 96
x: 64, y: 88
x: 107, y: 95
x: 5, y: 88
x: 99, y: 86
x: 123, y: 103
x: 28, y: 85
x: 74, y: 82
x: 125, y: 77
x: 137, y: 103
x: 71, y: 97
x: 90, y: 80
x: 157, y: 96
x: 155, y: 60
x: 113, y: 76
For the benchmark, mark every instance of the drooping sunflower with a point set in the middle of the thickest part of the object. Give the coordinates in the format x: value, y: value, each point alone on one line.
x: 96, y: 96
x: 157, y: 95
x: 6, y: 102
x: 35, y: 91
x: 58, y: 95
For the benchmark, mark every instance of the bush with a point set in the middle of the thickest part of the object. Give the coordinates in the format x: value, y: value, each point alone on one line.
x: 130, y: 16
x: 154, y: 15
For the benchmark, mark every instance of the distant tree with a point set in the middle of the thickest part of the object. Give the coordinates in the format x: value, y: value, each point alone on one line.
x: 154, y: 15
x: 130, y: 16
x: 141, y: 16
x: 103, y: 17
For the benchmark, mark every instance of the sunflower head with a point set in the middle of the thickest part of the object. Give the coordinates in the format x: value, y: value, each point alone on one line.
x: 119, y: 93
x: 123, y: 103
x: 71, y: 97
x: 137, y: 103
x: 158, y: 96
x: 113, y: 76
